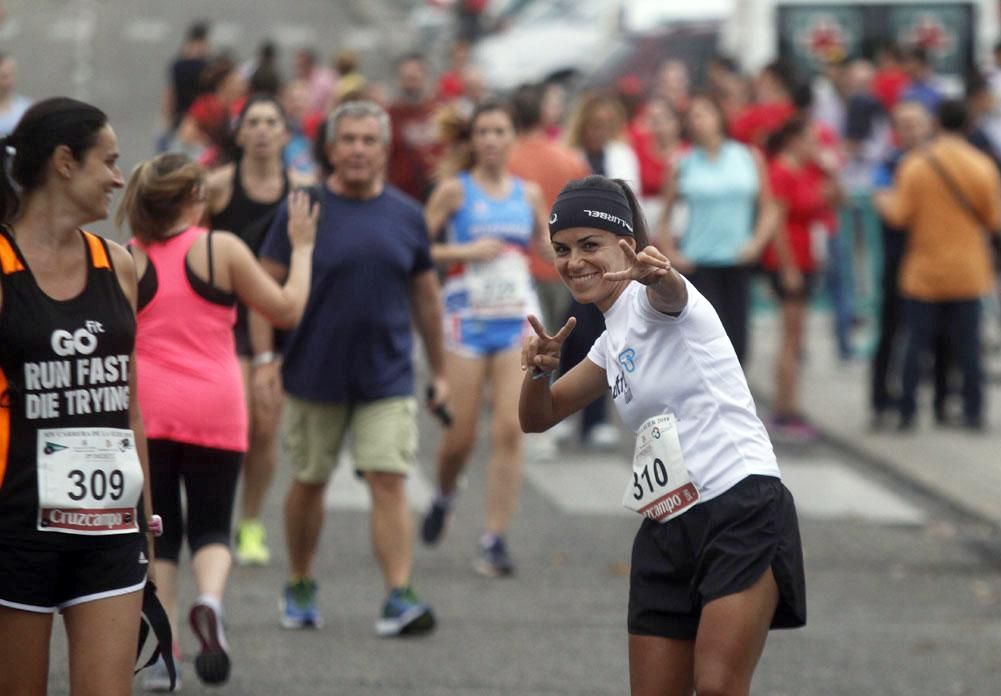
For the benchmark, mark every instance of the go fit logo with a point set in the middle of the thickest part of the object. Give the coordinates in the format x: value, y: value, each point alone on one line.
x: 82, y: 341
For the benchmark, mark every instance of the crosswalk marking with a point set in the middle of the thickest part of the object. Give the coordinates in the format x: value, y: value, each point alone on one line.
x: 826, y: 489
x: 348, y: 492
x: 72, y: 28
x: 146, y: 30
x: 590, y: 484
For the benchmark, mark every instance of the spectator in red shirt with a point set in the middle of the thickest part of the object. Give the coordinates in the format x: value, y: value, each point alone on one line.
x: 802, y: 196
x: 205, y: 130
x: 890, y: 79
x: 772, y: 108
x: 451, y: 83
x: 413, y: 149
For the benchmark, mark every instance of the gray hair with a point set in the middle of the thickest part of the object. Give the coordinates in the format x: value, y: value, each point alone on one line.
x: 362, y: 108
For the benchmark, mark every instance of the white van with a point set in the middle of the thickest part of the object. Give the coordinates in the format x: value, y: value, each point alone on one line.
x: 564, y: 38
x: 959, y: 35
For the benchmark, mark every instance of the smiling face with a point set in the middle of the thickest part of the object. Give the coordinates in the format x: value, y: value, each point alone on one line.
x: 583, y: 256
x: 91, y: 182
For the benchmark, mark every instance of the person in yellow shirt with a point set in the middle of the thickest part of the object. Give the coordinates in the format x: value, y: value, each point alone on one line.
x: 948, y: 198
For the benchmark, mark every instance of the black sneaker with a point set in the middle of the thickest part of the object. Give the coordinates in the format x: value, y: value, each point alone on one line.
x: 212, y: 663
x: 433, y: 527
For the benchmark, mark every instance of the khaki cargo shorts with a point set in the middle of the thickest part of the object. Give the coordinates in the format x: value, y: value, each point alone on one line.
x: 383, y: 436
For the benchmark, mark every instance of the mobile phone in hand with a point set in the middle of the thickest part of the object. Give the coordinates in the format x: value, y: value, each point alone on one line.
x: 440, y: 411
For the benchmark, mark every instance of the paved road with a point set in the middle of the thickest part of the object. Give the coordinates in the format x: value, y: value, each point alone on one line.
x: 903, y: 596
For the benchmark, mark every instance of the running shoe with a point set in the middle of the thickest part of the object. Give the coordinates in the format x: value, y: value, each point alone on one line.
x: 157, y: 680
x: 433, y: 527
x: 404, y: 614
x: 298, y: 605
x: 793, y: 430
x: 212, y: 663
x: 494, y: 560
x: 251, y: 544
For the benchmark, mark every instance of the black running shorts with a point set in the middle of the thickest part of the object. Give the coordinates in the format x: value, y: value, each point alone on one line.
x: 718, y: 548
x: 44, y: 581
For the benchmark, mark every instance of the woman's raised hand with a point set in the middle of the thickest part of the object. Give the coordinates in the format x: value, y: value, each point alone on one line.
x: 647, y: 267
x: 302, y: 219
x: 542, y: 351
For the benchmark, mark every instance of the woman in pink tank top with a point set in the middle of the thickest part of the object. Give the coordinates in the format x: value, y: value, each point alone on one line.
x: 190, y: 387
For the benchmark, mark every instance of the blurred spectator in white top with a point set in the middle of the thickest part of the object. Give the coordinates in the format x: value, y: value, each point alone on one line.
x: 12, y: 105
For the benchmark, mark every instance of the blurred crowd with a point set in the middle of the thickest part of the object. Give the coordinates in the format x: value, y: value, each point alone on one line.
x: 773, y: 172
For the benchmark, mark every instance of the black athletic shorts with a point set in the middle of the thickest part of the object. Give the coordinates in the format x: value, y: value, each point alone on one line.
x: 44, y: 581
x: 803, y: 294
x: 718, y: 548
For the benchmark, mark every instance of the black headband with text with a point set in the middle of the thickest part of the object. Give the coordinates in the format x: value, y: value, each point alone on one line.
x: 592, y: 207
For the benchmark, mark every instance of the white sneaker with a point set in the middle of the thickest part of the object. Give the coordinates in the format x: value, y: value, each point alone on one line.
x: 157, y: 680
x: 603, y: 436
x: 563, y: 432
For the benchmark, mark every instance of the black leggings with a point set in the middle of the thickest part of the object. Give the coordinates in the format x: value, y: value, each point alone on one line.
x: 728, y: 289
x: 210, y: 477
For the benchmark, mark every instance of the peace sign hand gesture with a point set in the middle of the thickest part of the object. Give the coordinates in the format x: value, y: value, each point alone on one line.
x: 542, y: 351
x: 647, y: 267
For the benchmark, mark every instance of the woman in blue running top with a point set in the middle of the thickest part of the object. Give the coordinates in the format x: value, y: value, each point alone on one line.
x: 716, y: 561
x: 491, y: 218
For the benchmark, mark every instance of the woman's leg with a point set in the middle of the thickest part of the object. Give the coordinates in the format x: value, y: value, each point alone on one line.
x: 24, y: 659
x: 165, y: 485
x: 787, y: 392
x: 262, y: 453
x: 210, y: 478
x: 103, y: 667
x: 465, y: 376
x: 504, y: 468
x: 731, y: 638
x: 661, y: 666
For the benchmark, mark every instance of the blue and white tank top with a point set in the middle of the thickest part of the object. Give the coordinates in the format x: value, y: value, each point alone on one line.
x: 500, y: 288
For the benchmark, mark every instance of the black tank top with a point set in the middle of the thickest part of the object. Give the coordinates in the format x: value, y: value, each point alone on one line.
x: 248, y: 219
x: 63, y: 364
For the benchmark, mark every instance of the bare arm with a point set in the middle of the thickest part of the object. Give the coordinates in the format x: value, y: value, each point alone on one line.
x: 126, y: 273
x: 540, y: 231
x: 768, y: 215
x: 665, y: 287
x: 427, y: 312
x: 282, y: 305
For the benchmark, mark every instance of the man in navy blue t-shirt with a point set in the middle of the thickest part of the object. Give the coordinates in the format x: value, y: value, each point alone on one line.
x: 348, y: 364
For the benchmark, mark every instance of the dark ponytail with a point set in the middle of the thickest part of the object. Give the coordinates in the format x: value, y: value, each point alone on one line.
x: 639, y: 221
x: 43, y: 128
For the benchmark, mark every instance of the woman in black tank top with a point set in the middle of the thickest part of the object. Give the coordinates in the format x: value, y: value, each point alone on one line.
x: 73, y: 474
x: 243, y: 198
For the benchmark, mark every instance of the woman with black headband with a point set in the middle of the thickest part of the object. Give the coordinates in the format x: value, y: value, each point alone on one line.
x: 717, y: 559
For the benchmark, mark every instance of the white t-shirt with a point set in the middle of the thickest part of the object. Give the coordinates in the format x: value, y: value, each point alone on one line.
x: 686, y: 366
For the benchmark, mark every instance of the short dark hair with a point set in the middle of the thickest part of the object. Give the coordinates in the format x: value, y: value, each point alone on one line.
x: 918, y: 54
x: 526, y: 105
x: 952, y: 115
x: 198, y: 31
